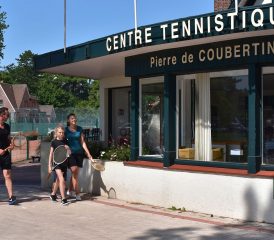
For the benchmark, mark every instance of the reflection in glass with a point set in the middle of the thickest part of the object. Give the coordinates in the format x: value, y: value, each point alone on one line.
x: 268, y: 119
x: 229, y: 116
x: 152, y: 119
x: 120, y: 133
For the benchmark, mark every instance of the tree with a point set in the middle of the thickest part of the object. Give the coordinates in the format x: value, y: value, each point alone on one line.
x: 53, y: 89
x: 23, y: 72
x: 3, y: 27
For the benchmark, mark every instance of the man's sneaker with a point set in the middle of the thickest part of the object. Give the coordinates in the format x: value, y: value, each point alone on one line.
x: 64, y: 202
x: 71, y: 193
x: 12, y: 200
x: 53, y: 198
x: 78, y: 197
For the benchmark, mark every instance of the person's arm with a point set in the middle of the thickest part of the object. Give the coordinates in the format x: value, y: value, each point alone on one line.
x: 50, y: 159
x: 84, y: 145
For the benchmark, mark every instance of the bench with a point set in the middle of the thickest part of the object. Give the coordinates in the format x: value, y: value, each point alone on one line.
x: 35, y: 158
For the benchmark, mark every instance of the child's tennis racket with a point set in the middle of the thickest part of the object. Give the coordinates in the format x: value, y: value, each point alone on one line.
x: 98, y: 165
x: 60, y: 155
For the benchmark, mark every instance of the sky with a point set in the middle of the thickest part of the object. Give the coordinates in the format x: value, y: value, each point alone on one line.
x: 38, y: 25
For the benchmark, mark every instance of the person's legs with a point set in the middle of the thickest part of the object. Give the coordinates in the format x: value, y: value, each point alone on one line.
x: 62, y: 183
x: 8, y: 181
x: 74, y: 178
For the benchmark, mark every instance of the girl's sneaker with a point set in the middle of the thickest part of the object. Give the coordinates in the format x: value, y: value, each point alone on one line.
x: 53, y: 198
x: 64, y: 202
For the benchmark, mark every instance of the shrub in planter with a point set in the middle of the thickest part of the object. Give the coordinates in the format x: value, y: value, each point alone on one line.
x: 116, y: 153
x: 96, y: 147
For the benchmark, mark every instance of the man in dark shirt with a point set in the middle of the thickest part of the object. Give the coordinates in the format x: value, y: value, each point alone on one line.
x: 5, y: 156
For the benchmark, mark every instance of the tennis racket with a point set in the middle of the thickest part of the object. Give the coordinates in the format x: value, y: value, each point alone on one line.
x: 98, y: 165
x: 18, y: 140
x: 60, y: 155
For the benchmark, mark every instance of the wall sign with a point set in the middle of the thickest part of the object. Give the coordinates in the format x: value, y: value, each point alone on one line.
x: 198, y: 27
x: 203, y: 57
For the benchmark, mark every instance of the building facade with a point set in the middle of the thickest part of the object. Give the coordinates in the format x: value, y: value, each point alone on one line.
x: 193, y: 95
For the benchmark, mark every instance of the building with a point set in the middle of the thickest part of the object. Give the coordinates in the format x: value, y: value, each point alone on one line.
x: 197, y: 94
x: 24, y: 107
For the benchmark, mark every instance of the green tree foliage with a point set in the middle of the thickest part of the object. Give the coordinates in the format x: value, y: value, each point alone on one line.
x: 53, y: 89
x: 3, y: 27
x: 22, y: 72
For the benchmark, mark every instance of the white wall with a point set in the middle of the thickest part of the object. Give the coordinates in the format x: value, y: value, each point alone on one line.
x: 244, y: 198
x: 229, y: 196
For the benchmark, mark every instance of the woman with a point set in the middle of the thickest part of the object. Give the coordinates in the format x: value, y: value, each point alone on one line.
x: 78, y: 146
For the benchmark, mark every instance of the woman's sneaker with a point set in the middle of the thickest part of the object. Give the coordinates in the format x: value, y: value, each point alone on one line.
x: 12, y: 200
x: 53, y: 198
x: 78, y: 197
x: 71, y: 194
x: 64, y: 202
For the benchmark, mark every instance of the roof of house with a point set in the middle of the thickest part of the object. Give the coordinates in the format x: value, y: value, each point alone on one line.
x: 19, y: 91
x: 15, y: 93
x: 48, y: 109
x: 8, y: 89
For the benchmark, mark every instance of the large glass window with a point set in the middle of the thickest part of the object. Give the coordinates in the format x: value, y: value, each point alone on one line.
x: 120, y: 128
x: 229, y: 119
x: 151, y: 117
x: 268, y: 115
x: 213, y: 116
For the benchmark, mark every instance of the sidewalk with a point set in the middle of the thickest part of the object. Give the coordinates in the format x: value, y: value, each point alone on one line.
x: 36, y: 217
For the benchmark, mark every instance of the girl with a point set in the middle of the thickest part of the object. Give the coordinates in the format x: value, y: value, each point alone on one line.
x: 61, y: 169
x: 78, y: 146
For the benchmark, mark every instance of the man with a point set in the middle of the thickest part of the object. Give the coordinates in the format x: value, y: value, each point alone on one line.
x: 5, y: 156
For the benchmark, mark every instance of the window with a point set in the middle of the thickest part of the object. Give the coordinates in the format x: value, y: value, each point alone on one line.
x: 268, y: 116
x: 213, y: 116
x: 151, y: 122
x: 120, y: 126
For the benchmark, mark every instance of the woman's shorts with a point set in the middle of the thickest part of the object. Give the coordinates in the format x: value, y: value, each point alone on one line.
x: 75, y: 159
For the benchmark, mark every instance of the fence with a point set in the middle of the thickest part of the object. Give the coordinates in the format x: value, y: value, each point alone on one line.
x: 44, y: 122
x: 41, y: 124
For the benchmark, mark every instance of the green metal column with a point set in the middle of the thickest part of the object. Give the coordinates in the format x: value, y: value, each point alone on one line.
x: 169, y: 120
x: 254, y: 118
x: 134, y: 119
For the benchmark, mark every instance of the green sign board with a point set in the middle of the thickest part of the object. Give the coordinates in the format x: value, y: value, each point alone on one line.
x: 206, y: 57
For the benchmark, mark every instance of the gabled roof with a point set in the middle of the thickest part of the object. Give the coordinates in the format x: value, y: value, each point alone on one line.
x: 19, y: 92
x: 8, y: 89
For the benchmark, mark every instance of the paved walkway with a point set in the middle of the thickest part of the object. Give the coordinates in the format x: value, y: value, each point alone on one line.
x: 36, y: 217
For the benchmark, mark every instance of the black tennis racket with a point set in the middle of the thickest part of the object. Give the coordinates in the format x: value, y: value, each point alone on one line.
x: 60, y: 155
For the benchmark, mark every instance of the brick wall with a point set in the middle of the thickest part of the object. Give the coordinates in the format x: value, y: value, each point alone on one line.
x: 220, y: 5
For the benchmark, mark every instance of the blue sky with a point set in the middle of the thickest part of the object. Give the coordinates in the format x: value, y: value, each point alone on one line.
x: 37, y: 25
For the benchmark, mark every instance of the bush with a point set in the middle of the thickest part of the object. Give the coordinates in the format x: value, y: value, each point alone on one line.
x: 96, y: 147
x: 116, y: 153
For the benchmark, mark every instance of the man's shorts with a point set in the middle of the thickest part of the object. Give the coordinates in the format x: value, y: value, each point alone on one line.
x: 75, y: 159
x: 5, y: 161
